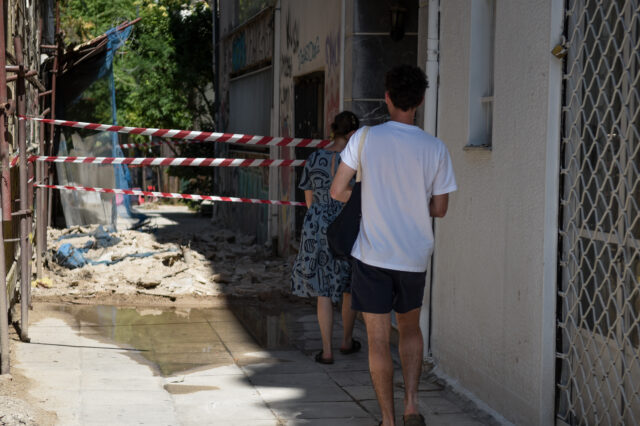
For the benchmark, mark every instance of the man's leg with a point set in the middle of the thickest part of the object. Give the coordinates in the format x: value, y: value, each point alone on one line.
x: 325, y: 321
x: 380, y: 363
x: 410, y: 348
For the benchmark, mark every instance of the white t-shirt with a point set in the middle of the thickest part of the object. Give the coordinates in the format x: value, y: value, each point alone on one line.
x: 402, y: 167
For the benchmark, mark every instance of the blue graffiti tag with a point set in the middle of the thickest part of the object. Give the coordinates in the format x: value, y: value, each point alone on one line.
x: 239, y: 55
x: 308, y: 52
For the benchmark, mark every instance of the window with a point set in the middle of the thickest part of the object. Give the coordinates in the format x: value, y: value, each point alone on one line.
x: 481, y: 59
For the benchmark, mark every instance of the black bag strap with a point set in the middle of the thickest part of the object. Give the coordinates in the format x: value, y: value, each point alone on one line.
x: 333, y: 164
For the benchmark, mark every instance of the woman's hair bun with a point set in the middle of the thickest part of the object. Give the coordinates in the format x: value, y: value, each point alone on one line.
x: 344, y: 123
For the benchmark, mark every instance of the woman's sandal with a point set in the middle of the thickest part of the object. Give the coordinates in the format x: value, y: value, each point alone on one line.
x: 322, y: 360
x: 355, y: 347
x: 413, y: 420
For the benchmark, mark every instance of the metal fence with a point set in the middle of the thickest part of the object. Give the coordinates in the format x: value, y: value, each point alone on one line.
x: 598, y: 357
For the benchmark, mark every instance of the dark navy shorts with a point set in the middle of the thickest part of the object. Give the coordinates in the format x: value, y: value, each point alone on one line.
x: 379, y: 290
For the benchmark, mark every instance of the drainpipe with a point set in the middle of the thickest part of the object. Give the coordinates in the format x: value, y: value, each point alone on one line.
x: 343, y: 38
x: 23, y: 213
x: 215, y: 18
x: 216, y: 61
x: 432, y: 67
x: 40, y: 225
x: 431, y: 127
x: 274, y: 175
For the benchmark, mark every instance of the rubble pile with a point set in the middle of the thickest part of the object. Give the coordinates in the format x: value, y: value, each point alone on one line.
x: 209, y: 262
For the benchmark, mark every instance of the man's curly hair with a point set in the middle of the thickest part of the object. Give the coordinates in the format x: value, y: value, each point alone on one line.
x: 406, y: 85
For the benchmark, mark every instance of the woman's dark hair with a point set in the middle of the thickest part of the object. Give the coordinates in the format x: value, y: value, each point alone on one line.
x: 406, y: 85
x: 344, y: 123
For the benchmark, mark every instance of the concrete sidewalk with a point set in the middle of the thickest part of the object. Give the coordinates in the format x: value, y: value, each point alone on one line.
x: 111, y: 366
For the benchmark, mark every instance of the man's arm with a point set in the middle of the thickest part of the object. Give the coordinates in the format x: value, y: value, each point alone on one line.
x: 340, y: 189
x: 438, y: 205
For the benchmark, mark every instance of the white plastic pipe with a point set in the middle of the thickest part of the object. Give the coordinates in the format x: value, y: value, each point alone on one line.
x: 432, y: 69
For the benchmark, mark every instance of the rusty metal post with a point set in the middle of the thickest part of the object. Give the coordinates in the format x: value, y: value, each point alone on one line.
x: 30, y: 177
x: 5, y: 184
x: 40, y: 224
x: 47, y: 196
x: 5, y: 204
x: 4, y: 307
x: 25, y: 253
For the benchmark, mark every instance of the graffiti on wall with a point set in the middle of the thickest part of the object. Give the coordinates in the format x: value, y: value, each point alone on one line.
x: 292, y: 34
x: 238, y: 52
x: 290, y: 49
x: 332, y: 78
x: 309, y: 52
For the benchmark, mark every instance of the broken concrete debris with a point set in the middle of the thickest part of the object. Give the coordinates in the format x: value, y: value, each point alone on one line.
x: 209, y: 263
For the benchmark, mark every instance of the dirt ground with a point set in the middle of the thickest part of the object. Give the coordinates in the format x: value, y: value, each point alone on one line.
x: 176, y: 258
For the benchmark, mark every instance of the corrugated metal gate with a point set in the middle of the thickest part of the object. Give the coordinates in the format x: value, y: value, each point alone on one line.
x: 599, y: 293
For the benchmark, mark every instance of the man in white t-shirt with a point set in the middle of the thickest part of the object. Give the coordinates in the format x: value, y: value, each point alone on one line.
x: 406, y: 180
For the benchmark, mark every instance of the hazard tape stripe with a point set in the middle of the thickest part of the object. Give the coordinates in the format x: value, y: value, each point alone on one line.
x: 163, y: 161
x: 172, y: 195
x: 192, y: 135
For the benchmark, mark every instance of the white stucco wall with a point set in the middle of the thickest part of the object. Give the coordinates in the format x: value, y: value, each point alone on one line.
x: 492, y: 330
x: 309, y: 42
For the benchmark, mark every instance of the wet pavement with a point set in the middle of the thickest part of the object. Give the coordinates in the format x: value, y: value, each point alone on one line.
x: 247, y: 363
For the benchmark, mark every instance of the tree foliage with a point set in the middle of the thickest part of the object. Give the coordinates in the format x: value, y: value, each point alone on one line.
x: 163, y: 75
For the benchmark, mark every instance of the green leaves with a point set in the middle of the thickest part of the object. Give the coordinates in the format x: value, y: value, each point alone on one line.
x: 163, y: 74
x: 163, y: 68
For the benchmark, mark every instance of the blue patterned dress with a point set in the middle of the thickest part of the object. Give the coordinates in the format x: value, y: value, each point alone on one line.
x: 315, y: 271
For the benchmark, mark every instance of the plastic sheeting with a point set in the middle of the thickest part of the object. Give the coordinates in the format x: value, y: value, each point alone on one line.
x: 83, y: 208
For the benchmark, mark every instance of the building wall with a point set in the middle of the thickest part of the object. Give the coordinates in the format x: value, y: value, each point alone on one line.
x: 310, y: 41
x: 310, y: 38
x: 489, y: 306
x: 246, y: 50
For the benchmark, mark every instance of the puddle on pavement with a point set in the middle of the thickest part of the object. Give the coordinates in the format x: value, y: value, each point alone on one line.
x: 174, y: 340
x: 269, y: 322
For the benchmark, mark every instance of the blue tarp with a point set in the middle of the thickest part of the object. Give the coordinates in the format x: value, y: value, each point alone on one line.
x: 74, y: 257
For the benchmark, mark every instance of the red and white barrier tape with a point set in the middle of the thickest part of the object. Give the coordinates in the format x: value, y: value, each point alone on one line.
x: 173, y: 195
x: 163, y: 161
x: 192, y: 135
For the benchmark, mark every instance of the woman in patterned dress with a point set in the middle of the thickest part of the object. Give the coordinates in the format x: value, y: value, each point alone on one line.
x: 316, y: 272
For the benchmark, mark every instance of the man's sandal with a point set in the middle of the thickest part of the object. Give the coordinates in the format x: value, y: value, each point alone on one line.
x: 319, y: 358
x: 413, y: 420
x: 355, y: 347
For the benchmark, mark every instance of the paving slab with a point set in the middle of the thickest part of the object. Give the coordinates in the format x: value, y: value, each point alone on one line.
x: 328, y: 411
x: 157, y: 368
